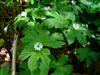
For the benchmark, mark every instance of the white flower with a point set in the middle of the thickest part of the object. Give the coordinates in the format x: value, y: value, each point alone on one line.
x: 73, y: 2
x: 43, y: 18
x: 47, y: 8
x: 23, y: 13
x: 25, y: 0
x: 76, y: 26
x: 38, y: 46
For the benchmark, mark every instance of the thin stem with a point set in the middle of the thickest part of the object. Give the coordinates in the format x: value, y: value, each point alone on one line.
x: 14, y: 55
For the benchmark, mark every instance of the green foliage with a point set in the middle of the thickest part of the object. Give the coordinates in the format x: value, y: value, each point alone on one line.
x: 61, y: 67
x: 59, y: 20
x: 47, y: 24
x: 9, y: 2
x: 44, y: 37
x: 87, y: 54
x: 4, y: 71
x: 1, y: 41
x: 77, y: 31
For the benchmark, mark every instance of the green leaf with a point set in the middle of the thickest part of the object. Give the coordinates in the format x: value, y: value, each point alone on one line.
x: 52, y: 58
x: 20, y: 21
x: 70, y: 37
x: 36, y: 72
x: 24, y: 65
x: 87, y: 2
x: 86, y: 53
x: 55, y: 41
x: 43, y: 69
x: 58, y: 73
x: 94, y: 56
x: 26, y: 53
x: 58, y: 21
x: 81, y: 38
x: 33, y: 61
x: 88, y: 61
x: 63, y: 59
x: 82, y: 50
x: 82, y: 57
x: 9, y: 2
x: 99, y: 28
x: 31, y: 1
x: 70, y: 16
x: 25, y: 72
x: 60, y: 67
x: 1, y: 41
x: 44, y: 57
x: 68, y: 69
x: 4, y: 71
x: 82, y: 53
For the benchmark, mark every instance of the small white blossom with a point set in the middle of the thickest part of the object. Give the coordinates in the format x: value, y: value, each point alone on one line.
x: 47, y: 8
x: 23, y: 13
x: 76, y: 26
x: 38, y: 46
x: 25, y: 0
x: 43, y: 18
x: 73, y: 2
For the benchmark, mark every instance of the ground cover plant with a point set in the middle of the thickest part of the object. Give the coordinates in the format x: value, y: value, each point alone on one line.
x: 50, y: 37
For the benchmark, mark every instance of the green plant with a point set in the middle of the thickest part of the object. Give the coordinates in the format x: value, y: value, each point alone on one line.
x: 61, y: 67
x: 87, y: 54
x: 51, y: 24
x: 1, y: 41
x: 34, y: 43
x: 4, y: 71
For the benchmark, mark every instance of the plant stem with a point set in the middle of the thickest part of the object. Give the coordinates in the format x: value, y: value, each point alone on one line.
x: 14, y: 55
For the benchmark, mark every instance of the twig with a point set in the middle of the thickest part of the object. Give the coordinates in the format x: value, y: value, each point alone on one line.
x: 14, y: 55
x: 4, y: 12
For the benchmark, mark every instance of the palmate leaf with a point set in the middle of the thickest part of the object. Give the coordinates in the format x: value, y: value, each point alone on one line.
x: 60, y: 66
x: 57, y: 23
x: 86, y: 54
x: 79, y: 32
x: 38, y: 35
x: 58, y: 20
x: 71, y: 34
x: 94, y: 56
x: 33, y: 60
x: 82, y: 50
x: 54, y: 41
x: 82, y: 53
